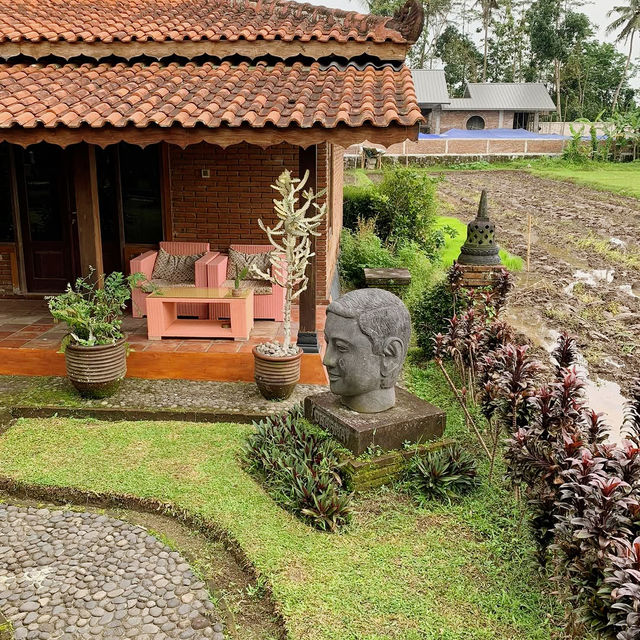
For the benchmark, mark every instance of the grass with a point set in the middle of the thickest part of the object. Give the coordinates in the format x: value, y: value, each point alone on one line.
x: 438, y: 572
x: 622, y: 178
x: 451, y: 249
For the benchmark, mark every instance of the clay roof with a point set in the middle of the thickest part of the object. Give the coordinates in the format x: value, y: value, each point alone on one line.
x: 194, y: 20
x: 206, y: 95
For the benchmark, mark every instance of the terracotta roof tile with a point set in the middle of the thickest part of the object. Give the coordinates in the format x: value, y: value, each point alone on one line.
x: 179, y: 20
x: 205, y: 95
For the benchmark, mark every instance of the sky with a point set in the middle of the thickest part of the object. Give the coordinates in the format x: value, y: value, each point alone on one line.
x: 596, y: 10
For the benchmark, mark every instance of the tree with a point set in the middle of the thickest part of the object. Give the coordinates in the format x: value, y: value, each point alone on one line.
x: 508, y: 44
x: 590, y: 78
x: 628, y: 22
x: 486, y: 9
x: 436, y: 16
x: 460, y: 57
x: 555, y: 31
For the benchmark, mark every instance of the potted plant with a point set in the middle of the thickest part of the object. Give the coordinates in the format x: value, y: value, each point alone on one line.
x: 240, y: 276
x: 277, y: 365
x: 95, y: 350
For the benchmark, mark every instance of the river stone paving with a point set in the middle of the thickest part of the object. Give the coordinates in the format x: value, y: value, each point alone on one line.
x: 70, y: 575
x: 135, y: 393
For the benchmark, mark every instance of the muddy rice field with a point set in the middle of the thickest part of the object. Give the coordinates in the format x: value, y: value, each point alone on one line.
x: 584, y: 272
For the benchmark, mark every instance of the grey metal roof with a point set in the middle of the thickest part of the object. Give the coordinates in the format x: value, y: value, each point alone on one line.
x: 431, y: 86
x: 512, y: 96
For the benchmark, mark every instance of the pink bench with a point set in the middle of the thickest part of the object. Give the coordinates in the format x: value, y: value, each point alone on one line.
x: 145, y: 262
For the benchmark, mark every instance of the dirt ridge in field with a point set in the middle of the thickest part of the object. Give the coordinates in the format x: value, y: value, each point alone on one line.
x: 585, y: 260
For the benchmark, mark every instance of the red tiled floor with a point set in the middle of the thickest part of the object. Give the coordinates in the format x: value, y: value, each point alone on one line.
x: 194, y: 346
x: 5, y: 334
x: 224, y: 347
x: 12, y: 327
x: 12, y: 344
x: 163, y: 345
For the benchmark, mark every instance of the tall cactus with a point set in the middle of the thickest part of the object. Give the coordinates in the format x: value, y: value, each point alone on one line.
x: 291, y: 239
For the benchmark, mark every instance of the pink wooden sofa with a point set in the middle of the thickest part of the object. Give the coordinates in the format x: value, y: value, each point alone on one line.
x: 145, y: 262
x: 266, y: 306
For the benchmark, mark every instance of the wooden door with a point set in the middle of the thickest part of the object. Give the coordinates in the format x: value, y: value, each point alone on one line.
x: 46, y: 216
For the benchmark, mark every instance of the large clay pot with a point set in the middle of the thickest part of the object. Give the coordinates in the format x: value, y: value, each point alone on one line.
x: 96, y: 372
x: 276, y: 376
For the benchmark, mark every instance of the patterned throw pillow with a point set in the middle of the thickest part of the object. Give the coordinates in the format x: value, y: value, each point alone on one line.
x: 175, y: 269
x: 238, y: 261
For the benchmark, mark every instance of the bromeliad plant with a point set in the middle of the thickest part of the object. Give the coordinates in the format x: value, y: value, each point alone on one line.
x: 441, y: 475
x: 93, y: 313
x: 301, y: 469
x: 291, y: 239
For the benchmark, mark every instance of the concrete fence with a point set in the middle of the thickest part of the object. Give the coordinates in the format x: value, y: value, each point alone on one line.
x: 435, y: 150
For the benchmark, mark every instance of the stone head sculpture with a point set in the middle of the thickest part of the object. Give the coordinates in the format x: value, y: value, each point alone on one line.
x: 367, y: 333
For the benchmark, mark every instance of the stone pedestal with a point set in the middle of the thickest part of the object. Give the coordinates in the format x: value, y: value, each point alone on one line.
x: 412, y: 420
x: 475, y: 275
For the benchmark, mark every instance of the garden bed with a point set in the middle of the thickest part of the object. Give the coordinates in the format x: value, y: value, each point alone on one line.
x: 398, y: 571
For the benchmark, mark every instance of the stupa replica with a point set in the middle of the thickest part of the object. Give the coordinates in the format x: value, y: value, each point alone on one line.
x: 480, y: 247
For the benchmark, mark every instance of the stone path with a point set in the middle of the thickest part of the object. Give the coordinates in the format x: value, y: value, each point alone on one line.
x: 138, y: 394
x: 69, y: 575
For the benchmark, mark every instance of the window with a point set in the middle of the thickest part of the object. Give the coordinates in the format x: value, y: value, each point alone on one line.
x: 141, y: 193
x: 6, y: 203
x: 475, y: 123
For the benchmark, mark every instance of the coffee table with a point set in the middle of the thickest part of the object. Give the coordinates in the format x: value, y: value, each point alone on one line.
x: 163, y: 321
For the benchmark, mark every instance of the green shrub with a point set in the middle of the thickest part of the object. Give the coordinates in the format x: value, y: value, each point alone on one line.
x: 422, y: 268
x: 93, y: 314
x: 407, y: 207
x: 431, y: 313
x: 300, y: 467
x: 358, y: 203
x: 442, y: 474
x: 359, y: 249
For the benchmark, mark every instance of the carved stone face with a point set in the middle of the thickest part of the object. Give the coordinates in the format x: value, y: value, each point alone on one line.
x: 352, y: 367
x: 367, y: 334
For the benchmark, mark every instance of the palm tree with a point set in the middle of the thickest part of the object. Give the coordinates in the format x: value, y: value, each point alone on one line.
x: 627, y: 23
x: 486, y: 8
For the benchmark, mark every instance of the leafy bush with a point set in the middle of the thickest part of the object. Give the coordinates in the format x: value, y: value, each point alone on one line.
x: 359, y: 249
x: 442, y: 474
x: 359, y: 203
x: 407, y: 207
x: 93, y: 314
x: 301, y: 469
x: 431, y: 313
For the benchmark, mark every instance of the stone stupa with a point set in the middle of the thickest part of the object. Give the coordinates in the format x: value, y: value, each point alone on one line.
x: 480, y: 247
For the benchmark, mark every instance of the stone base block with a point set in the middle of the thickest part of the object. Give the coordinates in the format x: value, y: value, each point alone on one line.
x: 474, y: 275
x: 412, y: 420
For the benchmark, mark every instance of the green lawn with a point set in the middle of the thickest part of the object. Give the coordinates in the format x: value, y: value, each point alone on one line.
x: 462, y: 571
x: 451, y: 249
x: 619, y: 178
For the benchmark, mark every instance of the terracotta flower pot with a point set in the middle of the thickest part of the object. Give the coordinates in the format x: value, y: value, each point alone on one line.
x: 96, y: 372
x: 276, y: 376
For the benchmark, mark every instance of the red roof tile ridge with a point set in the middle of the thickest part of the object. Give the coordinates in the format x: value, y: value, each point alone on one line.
x: 180, y: 20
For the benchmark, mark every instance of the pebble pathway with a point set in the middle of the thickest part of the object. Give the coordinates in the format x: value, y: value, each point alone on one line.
x: 71, y: 575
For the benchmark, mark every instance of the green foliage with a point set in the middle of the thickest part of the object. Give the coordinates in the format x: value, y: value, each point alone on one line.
x: 241, y: 274
x: 94, y: 314
x: 359, y: 249
x: 441, y: 475
x: 407, y: 207
x: 462, y: 60
x: 431, y: 313
x: 359, y: 203
x: 301, y: 469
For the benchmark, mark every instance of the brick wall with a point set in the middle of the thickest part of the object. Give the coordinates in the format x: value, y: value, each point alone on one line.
x: 224, y: 208
x: 458, y: 119
x: 7, y: 275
